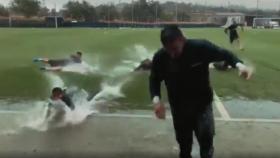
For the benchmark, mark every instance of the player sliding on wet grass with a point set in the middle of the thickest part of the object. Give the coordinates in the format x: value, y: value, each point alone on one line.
x: 57, y: 64
x: 183, y: 64
x: 59, y: 102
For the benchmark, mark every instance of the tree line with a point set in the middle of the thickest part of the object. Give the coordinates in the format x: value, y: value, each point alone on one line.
x: 137, y: 10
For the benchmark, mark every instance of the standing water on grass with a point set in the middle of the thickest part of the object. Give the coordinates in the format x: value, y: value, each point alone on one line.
x: 82, y: 68
x: 32, y: 114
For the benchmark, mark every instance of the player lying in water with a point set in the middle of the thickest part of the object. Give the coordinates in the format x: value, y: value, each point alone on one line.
x: 60, y: 102
x: 57, y: 64
x: 64, y: 101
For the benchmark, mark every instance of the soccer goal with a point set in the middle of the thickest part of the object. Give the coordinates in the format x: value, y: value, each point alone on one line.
x: 231, y: 19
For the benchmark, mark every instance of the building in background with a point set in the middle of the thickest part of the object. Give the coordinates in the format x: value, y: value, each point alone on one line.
x: 268, y: 22
x: 224, y: 19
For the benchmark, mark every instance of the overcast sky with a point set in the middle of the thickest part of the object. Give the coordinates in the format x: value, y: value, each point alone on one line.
x: 263, y: 4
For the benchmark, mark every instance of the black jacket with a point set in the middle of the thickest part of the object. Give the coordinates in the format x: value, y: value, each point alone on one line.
x: 187, y: 77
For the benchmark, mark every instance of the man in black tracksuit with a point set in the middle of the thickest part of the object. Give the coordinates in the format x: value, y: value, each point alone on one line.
x: 183, y: 64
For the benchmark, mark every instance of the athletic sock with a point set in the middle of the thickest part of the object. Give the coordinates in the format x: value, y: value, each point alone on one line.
x: 38, y: 59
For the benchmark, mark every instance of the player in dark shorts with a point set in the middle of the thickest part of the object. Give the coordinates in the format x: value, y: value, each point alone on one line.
x: 145, y: 65
x: 233, y: 34
x: 58, y: 63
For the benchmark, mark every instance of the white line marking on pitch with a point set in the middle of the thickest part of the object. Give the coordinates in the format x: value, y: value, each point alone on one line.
x: 221, y: 108
x: 250, y: 120
x: 11, y: 112
x: 170, y: 117
x: 151, y: 116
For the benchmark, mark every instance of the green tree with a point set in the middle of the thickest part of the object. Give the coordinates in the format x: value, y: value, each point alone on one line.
x: 155, y: 11
x: 184, y: 12
x: 4, y: 11
x: 127, y: 12
x: 81, y: 11
x: 107, y: 12
x: 27, y: 8
x: 44, y: 11
x: 143, y: 10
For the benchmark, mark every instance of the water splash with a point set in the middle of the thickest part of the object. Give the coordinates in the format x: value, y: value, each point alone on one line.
x: 139, y: 52
x: 34, y: 117
x: 54, y: 80
x: 20, y: 115
x: 83, y: 68
x: 135, y: 55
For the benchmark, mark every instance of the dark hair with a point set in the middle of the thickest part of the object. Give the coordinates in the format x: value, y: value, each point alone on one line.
x: 57, y: 90
x: 79, y: 53
x: 170, y: 33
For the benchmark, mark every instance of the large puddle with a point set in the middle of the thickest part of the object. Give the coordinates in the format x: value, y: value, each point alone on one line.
x: 253, y: 109
x: 21, y: 114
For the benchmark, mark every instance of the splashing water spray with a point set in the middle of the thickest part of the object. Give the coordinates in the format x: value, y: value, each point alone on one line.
x: 34, y: 117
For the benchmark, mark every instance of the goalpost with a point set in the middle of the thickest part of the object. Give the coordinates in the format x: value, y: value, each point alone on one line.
x: 230, y: 20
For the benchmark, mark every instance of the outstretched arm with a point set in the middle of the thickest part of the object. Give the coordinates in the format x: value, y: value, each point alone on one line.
x: 214, y: 53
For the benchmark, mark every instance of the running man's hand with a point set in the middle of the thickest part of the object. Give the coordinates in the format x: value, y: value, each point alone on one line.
x: 247, y: 74
x: 244, y: 71
x: 160, y: 111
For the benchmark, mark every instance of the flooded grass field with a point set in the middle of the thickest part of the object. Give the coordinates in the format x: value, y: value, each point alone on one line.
x: 107, y: 77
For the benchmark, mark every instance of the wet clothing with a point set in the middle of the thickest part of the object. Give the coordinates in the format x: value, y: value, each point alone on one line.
x: 233, y: 35
x: 59, y: 62
x: 189, y: 92
x: 65, y: 62
x: 76, y: 59
x: 68, y: 101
